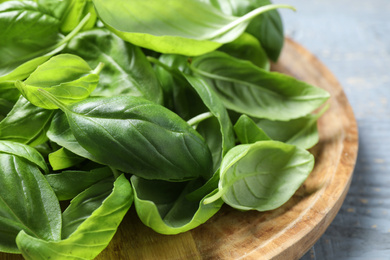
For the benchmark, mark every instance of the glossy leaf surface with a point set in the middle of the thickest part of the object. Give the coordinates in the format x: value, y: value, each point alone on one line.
x: 126, y: 69
x: 250, y: 90
x: 190, y: 28
x: 26, y: 123
x: 139, y: 137
x: 91, y: 221
x: 27, y: 202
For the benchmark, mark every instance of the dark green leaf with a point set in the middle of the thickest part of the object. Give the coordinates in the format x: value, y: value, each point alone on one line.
x: 126, y: 69
x: 26, y: 123
x: 248, y: 132
x: 68, y: 184
x: 247, y: 89
x: 27, y: 202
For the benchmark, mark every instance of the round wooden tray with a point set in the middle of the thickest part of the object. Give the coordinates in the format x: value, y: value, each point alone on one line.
x: 285, y: 233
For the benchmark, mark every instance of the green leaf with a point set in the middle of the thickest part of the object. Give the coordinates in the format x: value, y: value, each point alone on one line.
x: 63, y: 158
x: 267, y: 28
x: 247, y: 47
x: 27, y: 203
x: 164, y: 207
x: 140, y: 137
x: 68, y: 184
x: 60, y: 133
x: 301, y: 132
x: 25, y: 31
x: 91, y: 221
x: 247, y: 89
x: 190, y: 28
x: 224, y: 140
x: 126, y: 69
x: 262, y: 176
x: 26, y: 123
x: 24, y: 151
x: 248, y: 132
x: 68, y: 77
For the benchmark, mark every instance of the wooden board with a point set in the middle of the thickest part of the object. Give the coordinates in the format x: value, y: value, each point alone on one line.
x: 284, y: 233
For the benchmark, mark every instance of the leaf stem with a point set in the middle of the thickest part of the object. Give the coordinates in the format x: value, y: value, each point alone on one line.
x: 251, y: 15
x: 75, y: 30
x: 199, y: 118
x: 213, y: 198
x: 99, y: 68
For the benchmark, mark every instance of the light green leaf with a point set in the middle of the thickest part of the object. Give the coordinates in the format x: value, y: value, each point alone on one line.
x: 248, y: 132
x: 164, y: 207
x: 90, y: 222
x: 262, y: 176
x: 188, y: 27
x: 63, y: 158
x: 68, y: 77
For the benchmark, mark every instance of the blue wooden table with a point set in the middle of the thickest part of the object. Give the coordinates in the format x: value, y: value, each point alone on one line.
x: 352, y: 38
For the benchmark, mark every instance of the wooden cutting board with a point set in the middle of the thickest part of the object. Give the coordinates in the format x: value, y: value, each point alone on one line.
x: 285, y: 233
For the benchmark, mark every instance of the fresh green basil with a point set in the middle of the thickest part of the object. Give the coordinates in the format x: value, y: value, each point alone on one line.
x: 262, y: 176
x: 248, y: 132
x: 63, y: 158
x: 247, y: 89
x: 68, y: 77
x: 27, y: 202
x: 194, y: 28
x: 68, y: 184
x: 126, y: 69
x: 26, y: 123
x: 90, y: 222
x: 140, y: 137
x: 164, y: 207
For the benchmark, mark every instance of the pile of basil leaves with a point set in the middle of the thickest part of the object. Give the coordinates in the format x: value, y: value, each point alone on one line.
x: 167, y: 104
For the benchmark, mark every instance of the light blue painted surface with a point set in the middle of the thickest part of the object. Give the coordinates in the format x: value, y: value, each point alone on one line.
x: 352, y: 38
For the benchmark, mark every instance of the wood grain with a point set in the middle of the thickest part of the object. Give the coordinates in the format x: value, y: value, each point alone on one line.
x: 285, y: 233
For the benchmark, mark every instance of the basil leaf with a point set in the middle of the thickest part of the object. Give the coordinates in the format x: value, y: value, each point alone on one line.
x: 267, y: 28
x: 301, y: 132
x: 68, y: 184
x: 247, y: 47
x: 21, y: 20
x: 224, y: 141
x: 163, y: 206
x: 189, y: 28
x: 27, y: 203
x: 68, y: 77
x: 60, y: 133
x: 91, y: 220
x: 63, y: 158
x: 140, y: 137
x: 126, y: 69
x: 250, y: 90
x: 26, y: 123
x: 24, y: 151
x: 248, y: 132
x: 262, y: 176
